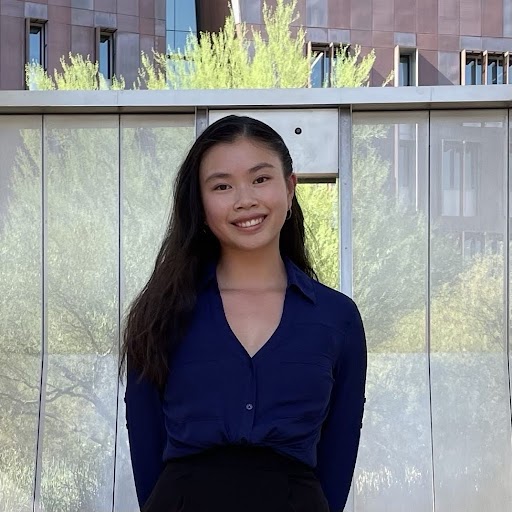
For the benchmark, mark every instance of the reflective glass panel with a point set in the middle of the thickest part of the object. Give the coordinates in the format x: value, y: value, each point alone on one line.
x: 404, y: 73
x: 152, y: 148
x: 185, y: 15
x: 21, y: 300
x: 169, y: 41
x: 470, y: 389
x: 79, y: 394
x: 390, y: 229
x: 106, y: 50
x: 180, y: 40
x: 169, y: 14
x: 473, y: 70
x: 36, y: 42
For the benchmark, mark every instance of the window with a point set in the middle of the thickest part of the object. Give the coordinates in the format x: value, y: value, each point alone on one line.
x: 36, y: 43
x: 459, y: 178
x: 322, y: 57
x: 474, y: 244
x: 406, y: 72
x: 106, y: 55
x: 495, y: 69
x: 490, y: 68
x: 474, y: 70
x: 480, y: 243
x: 406, y: 173
x: 181, y: 19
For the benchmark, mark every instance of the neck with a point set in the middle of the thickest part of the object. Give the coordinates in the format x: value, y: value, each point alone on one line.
x: 251, y: 270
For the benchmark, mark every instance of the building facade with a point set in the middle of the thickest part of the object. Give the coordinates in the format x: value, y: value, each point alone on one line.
x: 429, y: 43
x: 109, y: 31
x: 426, y: 43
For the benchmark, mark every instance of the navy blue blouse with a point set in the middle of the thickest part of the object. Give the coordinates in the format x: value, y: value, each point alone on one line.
x: 302, y: 393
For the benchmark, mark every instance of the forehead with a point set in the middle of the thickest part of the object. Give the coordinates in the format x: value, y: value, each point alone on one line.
x: 238, y: 156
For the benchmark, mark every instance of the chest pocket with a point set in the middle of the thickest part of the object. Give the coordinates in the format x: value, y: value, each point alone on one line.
x: 302, y: 386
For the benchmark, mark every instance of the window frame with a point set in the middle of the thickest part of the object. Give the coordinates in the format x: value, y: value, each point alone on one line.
x: 323, y: 51
x: 109, y: 34
x: 41, y: 24
x: 411, y: 53
x: 485, y: 57
x: 463, y: 174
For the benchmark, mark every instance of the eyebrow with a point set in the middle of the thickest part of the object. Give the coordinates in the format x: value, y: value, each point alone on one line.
x: 252, y: 170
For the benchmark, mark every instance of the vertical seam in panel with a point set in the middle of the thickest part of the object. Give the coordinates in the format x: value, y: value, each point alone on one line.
x: 200, y: 120
x: 345, y: 253
x: 427, y: 323
x: 506, y: 246
x: 119, y: 246
x: 345, y: 201
x: 44, y: 325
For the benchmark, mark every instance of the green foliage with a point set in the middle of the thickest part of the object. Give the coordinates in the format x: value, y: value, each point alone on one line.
x: 319, y: 203
x: 37, y: 78
x: 233, y: 58
x: 349, y: 70
x: 78, y: 74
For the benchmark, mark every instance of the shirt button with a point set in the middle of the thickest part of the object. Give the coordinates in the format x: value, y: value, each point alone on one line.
x: 249, y: 407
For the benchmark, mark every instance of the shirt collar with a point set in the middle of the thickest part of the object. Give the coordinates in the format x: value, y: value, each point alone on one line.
x: 296, y: 278
x: 299, y: 279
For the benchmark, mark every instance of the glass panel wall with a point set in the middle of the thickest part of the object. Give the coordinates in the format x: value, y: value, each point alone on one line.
x: 470, y: 387
x: 79, y: 392
x: 390, y: 226
x: 152, y: 148
x: 78, y: 238
x: 21, y: 242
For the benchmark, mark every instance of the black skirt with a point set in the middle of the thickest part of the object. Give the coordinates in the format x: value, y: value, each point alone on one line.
x: 237, y: 479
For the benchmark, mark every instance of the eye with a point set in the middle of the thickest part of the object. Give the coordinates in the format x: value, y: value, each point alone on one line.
x: 222, y: 186
x: 261, y: 179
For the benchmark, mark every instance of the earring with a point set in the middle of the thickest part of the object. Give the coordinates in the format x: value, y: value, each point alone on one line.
x: 289, y: 214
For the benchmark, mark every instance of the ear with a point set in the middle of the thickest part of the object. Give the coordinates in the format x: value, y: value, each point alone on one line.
x: 291, y: 184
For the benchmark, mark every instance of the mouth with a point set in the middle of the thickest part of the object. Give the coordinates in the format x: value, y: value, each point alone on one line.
x: 250, y: 223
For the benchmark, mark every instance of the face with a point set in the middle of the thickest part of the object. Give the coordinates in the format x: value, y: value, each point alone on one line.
x: 245, y: 194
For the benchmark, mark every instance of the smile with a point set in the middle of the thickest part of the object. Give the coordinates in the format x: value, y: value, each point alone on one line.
x: 250, y: 223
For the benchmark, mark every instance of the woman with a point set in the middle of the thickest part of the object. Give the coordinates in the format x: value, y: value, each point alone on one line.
x: 245, y: 375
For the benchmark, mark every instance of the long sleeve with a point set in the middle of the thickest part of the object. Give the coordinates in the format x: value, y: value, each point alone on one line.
x: 146, y: 433
x: 339, y: 442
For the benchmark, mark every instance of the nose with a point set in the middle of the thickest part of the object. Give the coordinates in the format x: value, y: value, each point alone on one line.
x: 245, y: 198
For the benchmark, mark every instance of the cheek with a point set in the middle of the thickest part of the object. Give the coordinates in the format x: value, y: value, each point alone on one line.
x: 213, y: 210
x: 279, y: 199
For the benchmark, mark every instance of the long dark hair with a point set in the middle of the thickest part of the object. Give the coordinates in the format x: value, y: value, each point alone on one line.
x: 157, y: 318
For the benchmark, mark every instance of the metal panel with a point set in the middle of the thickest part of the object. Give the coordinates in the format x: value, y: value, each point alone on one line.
x: 345, y: 184
x: 359, y: 99
x: 310, y: 134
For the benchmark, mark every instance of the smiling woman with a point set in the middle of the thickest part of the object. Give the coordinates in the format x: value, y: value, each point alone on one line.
x: 245, y: 375
x: 244, y: 197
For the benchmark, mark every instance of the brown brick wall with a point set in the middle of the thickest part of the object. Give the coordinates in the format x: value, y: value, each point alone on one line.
x: 440, y: 29
x: 139, y: 25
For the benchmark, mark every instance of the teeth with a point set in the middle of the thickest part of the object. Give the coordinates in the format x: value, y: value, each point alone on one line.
x: 250, y: 223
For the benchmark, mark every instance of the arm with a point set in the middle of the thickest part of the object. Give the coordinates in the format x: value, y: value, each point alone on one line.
x: 339, y: 442
x: 146, y: 433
